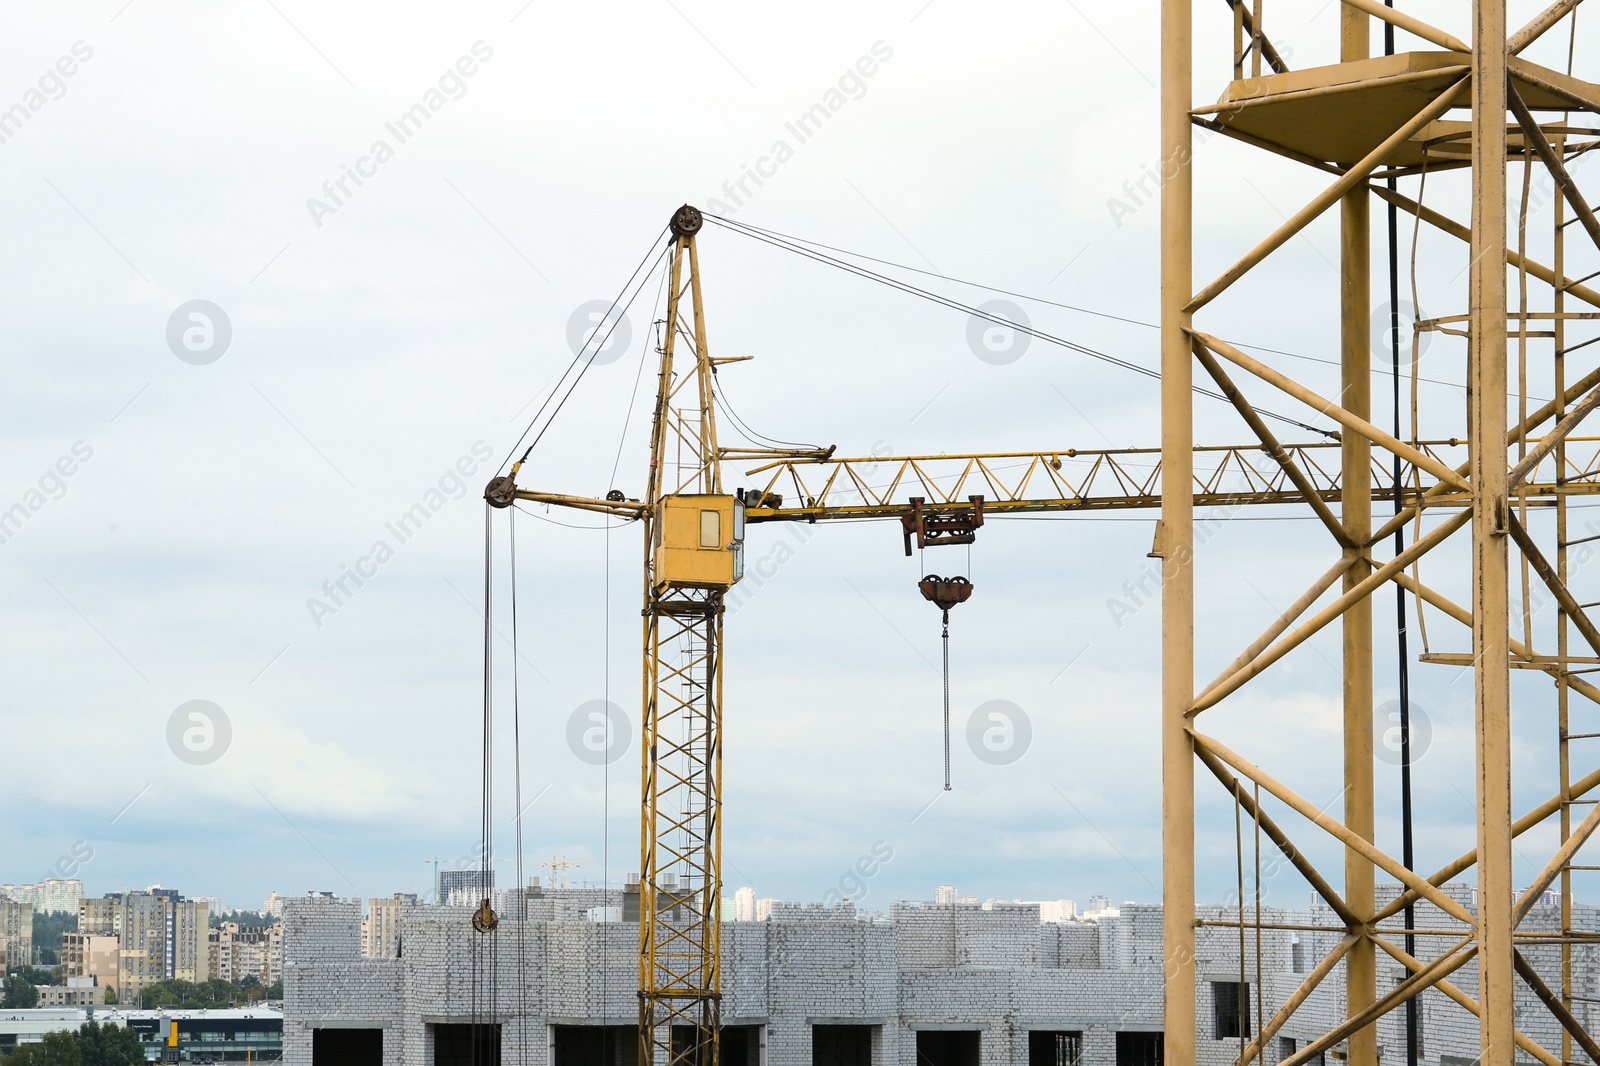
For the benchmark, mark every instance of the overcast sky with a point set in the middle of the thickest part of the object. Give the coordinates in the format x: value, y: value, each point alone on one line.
x: 372, y: 343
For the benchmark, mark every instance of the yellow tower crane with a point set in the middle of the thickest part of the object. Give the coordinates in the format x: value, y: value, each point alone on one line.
x: 694, y: 531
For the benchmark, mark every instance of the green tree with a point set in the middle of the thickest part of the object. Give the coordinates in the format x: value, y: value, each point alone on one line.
x: 47, y: 930
x: 109, y: 1045
x: 56, y: 1049
x: 111, y: 995
x: 34, y: 975
x: 19, y: 994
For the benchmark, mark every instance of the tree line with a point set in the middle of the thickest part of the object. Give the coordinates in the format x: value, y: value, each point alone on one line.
x: 92, y: 1044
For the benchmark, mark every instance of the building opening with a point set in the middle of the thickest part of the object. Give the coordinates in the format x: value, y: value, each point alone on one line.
x: 741, y: 1045
x: 737, y: 1045
x: 841, y: 1045
x: 466, y: 1045
x: 595, y: 1045
x: 947, y: 1047
x: 1054, y: 1048
x: 1230, y: 1010
x: 1139, y: 1049
x: 347, y: 1047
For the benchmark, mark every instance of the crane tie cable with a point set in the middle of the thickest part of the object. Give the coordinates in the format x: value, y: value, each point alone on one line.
x: 598, y: 341
x: 790, y: 245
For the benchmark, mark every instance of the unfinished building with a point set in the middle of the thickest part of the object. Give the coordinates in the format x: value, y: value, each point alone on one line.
x: 930, y: 985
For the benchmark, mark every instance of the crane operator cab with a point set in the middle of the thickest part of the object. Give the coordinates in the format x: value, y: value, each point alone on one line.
x: 699, y: 542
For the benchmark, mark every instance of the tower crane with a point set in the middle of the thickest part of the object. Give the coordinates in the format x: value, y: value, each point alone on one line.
x: 694, y: 541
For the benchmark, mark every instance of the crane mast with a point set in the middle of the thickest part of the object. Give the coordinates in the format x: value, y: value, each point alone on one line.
x: 691, y: 556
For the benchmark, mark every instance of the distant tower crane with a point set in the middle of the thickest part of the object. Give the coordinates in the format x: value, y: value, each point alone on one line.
x: 694, y: 540
x: 558, y: 867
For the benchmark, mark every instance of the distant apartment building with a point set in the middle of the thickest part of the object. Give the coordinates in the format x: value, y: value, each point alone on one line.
x: 381, y: 927
x: 160, y: 936
x: 237, y: 952
x: 98, y: 916
x: 464, y: 888
x: 90, y: 956
x: 54, y: 896
x: 16, y: 934
x: 273, y: 907
x: 1057, y: 910
x: 744, y: 905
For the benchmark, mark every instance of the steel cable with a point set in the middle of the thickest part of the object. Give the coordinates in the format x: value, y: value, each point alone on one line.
x: 946, y: 638
x: 957, y: 305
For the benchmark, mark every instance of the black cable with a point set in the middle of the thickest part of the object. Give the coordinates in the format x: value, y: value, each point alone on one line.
x: 486, y: 861
x: 760, y: 440
x: 578, y: 358
x: 956, y: 305
x: 568, y: 525
x: 946, y: 639
x: 516, y: 739
x: 633, y: 397
x: 587, y: 364
x: 1407, y: 856
x: 1074, y: 307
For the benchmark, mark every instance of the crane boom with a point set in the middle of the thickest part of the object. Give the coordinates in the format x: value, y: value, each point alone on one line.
x: 1074, y: 479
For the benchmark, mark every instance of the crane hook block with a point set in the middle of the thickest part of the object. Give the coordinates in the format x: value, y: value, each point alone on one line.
x: 945, y: 592
x: 501, y: 492
x: 484, y: 919
x: 686, y: 221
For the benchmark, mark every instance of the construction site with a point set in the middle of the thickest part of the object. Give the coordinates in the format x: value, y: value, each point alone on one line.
x: 1448, y: 152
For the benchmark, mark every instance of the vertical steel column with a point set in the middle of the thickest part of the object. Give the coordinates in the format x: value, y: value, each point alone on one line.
x: 1486, y: 413
x: 1176, y: 545
x: 1355, y: 395
x: 1563, y: 620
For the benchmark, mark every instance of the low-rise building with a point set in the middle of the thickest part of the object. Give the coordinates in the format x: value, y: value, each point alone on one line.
x: 254, y: 1034
x: 77, y: 992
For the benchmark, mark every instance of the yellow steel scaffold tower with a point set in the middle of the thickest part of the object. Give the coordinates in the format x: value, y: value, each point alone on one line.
x: 1472, y: 108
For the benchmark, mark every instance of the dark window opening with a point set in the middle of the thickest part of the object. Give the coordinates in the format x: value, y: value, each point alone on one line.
x: 841, y: 1045
x: 947, y: 1047
x: 595, y: 1045
x: 466, y: 1045
x: 347, y: 1047
x: 1230, y: 1010
x: 1138, y: 1049
x: 1054, y: 1048
x: 740, y: 1045
x: 737, y: 1045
